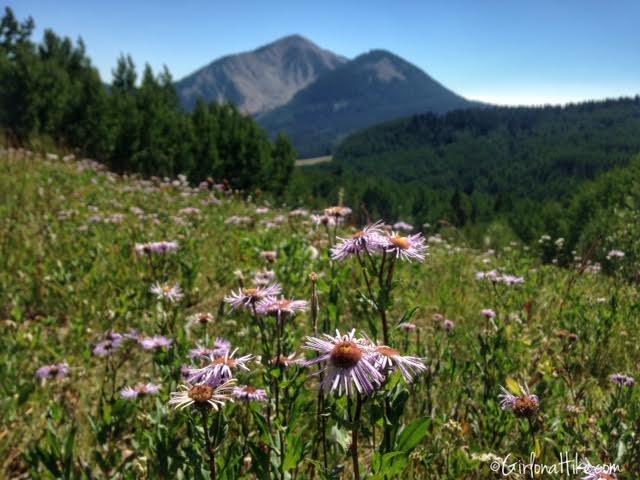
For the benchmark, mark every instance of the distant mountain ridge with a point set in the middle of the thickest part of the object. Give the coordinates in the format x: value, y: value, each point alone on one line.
x: 260, y: 80
x: 375, y: 87
x: 317, y: 97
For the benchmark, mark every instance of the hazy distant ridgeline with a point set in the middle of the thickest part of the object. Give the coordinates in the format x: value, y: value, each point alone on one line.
x: 314, y: 96
x: 473, y: 167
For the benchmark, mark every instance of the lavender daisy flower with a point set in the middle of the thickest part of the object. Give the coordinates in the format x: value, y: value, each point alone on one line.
x: 222, y: 347
x: 488, y: 313
x: 111, y: 343
x: 408, y: 327
x: 407, y: 248
x: 203, y: 396
x: 523, y: 406
x: 249, y: 394
x: 171, y: 293
x: 200, y: 318
x: 246, y: 297
x: 596, y: 472
x: 325, y: 220
x: 279, y: 307
x: 615, y: 254
x: 264, y: 278
x: 369, y: 238
x: 219, y: 369
x: 57, y: 371
x: 403, y: 226
x: 448, y: 325
x: 156, y: 248
x: 386, y: 358
x: 141, y: 390
x: 155, y: 342
x: 622, y: 380
x: 349, y: 363
x: 511, y: 280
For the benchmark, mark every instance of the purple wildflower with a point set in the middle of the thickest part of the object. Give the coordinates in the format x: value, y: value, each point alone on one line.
x: 57, y: 371
x: 171, y: 293
x: 155, y: 342
x: 219, y: 369
x: 407, y: 248
x: 141, y: 390
x: 248, y: 297
x: 249, y: 394
x: 370, y: 239
x: 349, y: 363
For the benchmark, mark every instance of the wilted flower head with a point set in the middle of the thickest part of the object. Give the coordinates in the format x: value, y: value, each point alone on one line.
x: 247, y: 297
x: 622, y: 380
x: 281, y: 307
x: 57, y: 371
x: 249, y: 394
x: 523, y: 406
x: 141, y: 390
x: 155, y: 342
x: 349, y: 363
x: 203, y: 396
x: 219, y: 368
x: 269, y: 255
x: 286, y: 360
x: 370, y: 238
x: 407, y: 248
x: 171, y: 293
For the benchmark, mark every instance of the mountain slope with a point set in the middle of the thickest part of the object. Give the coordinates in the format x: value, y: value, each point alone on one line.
x: 260, y: 80
x: 375, y: 87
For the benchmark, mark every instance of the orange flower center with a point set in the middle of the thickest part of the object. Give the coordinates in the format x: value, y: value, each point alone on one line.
x: 525, y: 406
x: 201, y: 393
x: 249, y: 390
x: 387, y: 351
x: 400, y: 242
x: 229, y: 362
x: 345, y: 355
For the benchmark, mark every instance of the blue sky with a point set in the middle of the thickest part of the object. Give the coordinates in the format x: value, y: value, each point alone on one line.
x: 510, y: 52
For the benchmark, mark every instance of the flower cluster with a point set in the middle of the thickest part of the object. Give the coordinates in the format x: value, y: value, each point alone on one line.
x: 373, y: 239
x: 156, y: 248
x: 622, y: 380
x: 57, y: 371
x: 355, y: 364
x: 494, y: 277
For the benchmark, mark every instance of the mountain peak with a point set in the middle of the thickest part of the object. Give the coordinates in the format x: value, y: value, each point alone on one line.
x: 262, y: 79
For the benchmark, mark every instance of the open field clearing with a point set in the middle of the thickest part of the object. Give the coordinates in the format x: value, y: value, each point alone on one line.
x: 155, y: 330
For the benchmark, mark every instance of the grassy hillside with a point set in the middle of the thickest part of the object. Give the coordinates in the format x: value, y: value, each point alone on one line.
x: 70, y: 276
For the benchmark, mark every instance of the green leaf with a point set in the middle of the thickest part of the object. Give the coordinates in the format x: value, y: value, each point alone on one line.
x: 413, y: 434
